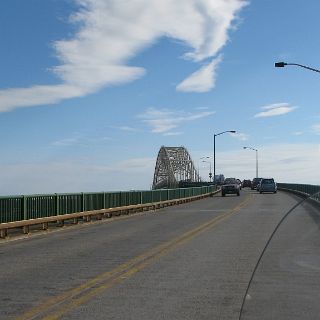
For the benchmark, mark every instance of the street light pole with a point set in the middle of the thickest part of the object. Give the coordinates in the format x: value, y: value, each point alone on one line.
x: 214, y: 152
x: 210, y: 168
x: 283, y: 64
x: 210, y: 173
x: 257, y: 174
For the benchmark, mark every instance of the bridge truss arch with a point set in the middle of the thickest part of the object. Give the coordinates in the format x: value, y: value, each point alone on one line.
x: 173, y: 165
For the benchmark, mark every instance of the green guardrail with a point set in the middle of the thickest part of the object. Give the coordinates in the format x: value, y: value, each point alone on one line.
x: 308, y: 189
x: 25, y: 207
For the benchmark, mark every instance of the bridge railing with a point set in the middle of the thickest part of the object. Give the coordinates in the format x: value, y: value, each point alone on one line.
x: 302, y: 189
x: 25, y: 207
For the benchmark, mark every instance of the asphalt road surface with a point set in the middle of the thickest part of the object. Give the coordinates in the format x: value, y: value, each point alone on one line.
x: 192, y: 261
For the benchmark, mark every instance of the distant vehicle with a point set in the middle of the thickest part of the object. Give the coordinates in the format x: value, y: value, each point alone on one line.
x: 255, y: 182
x: 246, y: 183
x: 230, y: 186
x: 240, y: 183
x: 219, y: 179
x: 268, y: 185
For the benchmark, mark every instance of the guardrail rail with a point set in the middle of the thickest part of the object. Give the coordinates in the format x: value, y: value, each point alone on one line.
x: 304, y: 190
x: 25, y: 211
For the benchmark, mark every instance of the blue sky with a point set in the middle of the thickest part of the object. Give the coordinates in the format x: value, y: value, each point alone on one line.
x: 90, y: 90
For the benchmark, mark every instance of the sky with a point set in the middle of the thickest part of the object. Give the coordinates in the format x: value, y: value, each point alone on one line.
x: 91, y: 89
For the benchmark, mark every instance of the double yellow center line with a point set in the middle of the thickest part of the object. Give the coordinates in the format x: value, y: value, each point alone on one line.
x: 56, y: 307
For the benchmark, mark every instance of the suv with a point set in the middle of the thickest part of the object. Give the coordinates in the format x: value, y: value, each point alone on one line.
x: 230, y: 185
x: 255, y: 182
x: 268, y: 185
x: 246, y: 183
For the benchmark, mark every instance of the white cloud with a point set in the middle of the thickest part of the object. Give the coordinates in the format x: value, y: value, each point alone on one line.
x: 173, y: 133
x: 163, y: 121
x: 125, y: 128
x: 80, y: 140
x: 240, y: 136
x: 66, y: 142
x: 275, y: 109
x: 111, y: 32
x: 38, y: 95
x: 298, y: 133
x: 202, y: 80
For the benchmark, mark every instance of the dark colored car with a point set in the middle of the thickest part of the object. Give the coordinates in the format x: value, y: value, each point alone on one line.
x: 246, y: 183
x: 255, y: 182
x: 230, y: 186
x: 267, y: 185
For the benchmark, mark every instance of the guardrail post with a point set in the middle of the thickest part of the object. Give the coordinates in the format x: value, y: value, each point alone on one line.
x: 24, y: 210
x: 3, y: 233
x: 57, y: 204
x: 83, y: 203
x: 25, y: 229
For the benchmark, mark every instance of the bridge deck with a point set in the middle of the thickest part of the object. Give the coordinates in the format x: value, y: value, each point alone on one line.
x: 192, y: 261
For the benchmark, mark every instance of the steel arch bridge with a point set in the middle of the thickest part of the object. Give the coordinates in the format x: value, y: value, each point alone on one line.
x: 173, y: 165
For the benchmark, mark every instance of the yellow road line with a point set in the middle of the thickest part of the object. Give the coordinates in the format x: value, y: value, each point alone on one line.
x: 81, y: 294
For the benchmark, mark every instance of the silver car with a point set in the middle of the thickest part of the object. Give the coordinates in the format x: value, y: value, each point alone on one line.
x: 267, y: 185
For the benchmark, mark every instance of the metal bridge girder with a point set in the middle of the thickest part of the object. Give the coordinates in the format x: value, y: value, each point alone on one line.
x: 173, y: 165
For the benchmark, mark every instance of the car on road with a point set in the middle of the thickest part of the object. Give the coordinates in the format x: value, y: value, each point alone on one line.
x: 230, y: 186
x: 255, y: 182
x: 246, y: 183
x: 268, y: 185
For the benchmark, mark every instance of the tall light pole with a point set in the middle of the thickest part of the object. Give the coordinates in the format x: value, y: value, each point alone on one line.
x: 283, y: 64
x: 210, y: 168
x: 214, y: 152
x: 210, y: 173
x: 256, y: 158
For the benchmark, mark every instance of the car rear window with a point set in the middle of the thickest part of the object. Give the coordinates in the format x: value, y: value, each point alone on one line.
x: 230, y: 181
x: 267, y: 181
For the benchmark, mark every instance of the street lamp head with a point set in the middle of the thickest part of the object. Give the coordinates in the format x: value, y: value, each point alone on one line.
x: 280, y: 64
x: 232, y: 131
x: 245, y: 147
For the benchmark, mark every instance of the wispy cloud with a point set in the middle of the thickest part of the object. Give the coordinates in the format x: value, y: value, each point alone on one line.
x: 126, y: 128
x: 173, y: 133
x: 111, y: 32
x: 275, y: 109
x: 79, y: 140
x: 240, y: 136
x: 202, y: 80
x: 163, y: 120
x: 66, y: 142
